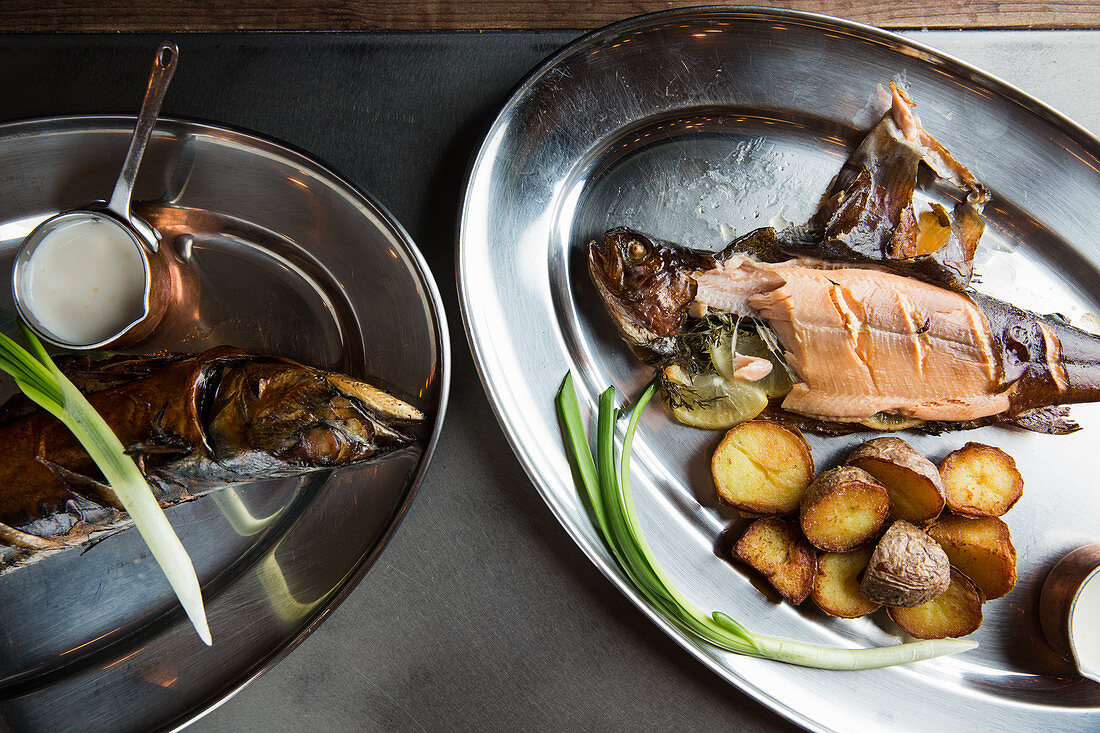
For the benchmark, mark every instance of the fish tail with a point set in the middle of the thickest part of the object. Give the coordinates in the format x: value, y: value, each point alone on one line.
x: 1080, y: 360
x: 1045, y: 360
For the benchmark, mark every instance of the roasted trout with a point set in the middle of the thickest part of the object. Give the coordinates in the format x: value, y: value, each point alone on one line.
x: 192, y: 423
x: 859, y: 341
x: 866, y: 308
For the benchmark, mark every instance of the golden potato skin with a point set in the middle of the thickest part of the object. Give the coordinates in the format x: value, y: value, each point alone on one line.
x: 955, y: 612
x: 836, y: 584
x: 981, y: 548
x: 981, y: 481
x: 778, y: 551
x: 932, y: 569
x: 907, y: 568
x: 762, y: 469
x: 913, y: 482
x: 843, y: 508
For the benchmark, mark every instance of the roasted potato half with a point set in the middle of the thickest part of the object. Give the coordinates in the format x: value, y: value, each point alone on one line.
x: 778, y: 551
x: 981, y: 481
x: 843, y: 508
x: 955, y: 612
x: 907, y: 568
x: 982, y: 549
x: 836, y: 585
x: 913, y: 482
x: 762, y: 468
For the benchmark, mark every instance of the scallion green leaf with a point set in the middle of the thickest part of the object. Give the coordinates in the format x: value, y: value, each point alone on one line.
x: 616, y: 521
x: 39, y: 378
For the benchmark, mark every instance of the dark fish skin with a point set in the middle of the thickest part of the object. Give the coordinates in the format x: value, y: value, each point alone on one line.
x: 1053, y: 420
x: 192, y: 423
x: 868, y: 213
x: 1049, y: 361
x: 1045, y: 361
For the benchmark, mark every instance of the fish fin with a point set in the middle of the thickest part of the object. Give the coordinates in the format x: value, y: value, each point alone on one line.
x: 90, y: 512
x: 374, y: 399
x: 86, y: 485
x: 160, y: 442
x: 767, y: 245
x: 1053, y: 420
x: 92, y: 374
x: 173, y: 446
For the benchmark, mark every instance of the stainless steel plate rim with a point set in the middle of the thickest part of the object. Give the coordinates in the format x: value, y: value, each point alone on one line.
x: 478, y: 312
x: 77, y: 124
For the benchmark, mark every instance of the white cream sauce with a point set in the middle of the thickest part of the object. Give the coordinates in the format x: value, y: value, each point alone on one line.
x: 1084, y: 628
x: 85, y: 281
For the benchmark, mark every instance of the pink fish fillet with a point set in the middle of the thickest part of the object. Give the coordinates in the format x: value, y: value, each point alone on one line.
x: 864, y: 341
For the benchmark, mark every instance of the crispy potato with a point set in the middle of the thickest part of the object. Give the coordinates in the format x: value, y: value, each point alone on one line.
x: 981, y: 481
x: 907, y: 568
x: 982, y: 549
x: 956, y: 612
x: 916, y: 490
x: 843, y: 508
x: 762, y: 468
x: 836, y: 584
x: 779, y: 552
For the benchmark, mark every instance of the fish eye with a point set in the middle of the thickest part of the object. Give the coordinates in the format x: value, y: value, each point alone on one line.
x: 636, y: 251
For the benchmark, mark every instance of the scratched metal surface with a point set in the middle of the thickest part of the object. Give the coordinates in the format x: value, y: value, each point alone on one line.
x: 698, y: 126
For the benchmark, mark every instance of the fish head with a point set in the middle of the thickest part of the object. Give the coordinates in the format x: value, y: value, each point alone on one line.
x: 646, y: 285
x: 305, y: 416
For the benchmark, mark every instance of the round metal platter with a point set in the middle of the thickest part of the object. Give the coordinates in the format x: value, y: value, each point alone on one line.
x: 700, y: 125
x: 292, y: 261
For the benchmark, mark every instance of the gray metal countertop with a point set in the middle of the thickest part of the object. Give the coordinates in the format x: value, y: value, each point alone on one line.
x: 481, y: 614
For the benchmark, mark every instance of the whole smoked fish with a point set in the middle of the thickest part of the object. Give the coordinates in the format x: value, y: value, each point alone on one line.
x: 192, y: 423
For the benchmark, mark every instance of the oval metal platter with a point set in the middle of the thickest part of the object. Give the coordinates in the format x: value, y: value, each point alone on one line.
x: 703, y: 124
x: 291, y: 260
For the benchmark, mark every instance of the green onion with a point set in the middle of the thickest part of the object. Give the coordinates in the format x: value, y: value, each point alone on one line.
x: 612, y: 505
x: 40, y: 379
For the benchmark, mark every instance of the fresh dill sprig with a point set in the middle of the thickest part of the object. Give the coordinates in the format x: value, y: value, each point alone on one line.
x: 693, y: 345
x: 679, y: 396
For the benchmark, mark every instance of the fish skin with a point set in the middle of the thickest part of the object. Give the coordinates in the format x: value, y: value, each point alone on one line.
x: 192, y: 423
x: 1037, y: 361
x: 1048, y: 361
x: 869, y: 214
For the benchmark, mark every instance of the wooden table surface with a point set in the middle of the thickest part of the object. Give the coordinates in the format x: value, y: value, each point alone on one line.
x: 443, y: 15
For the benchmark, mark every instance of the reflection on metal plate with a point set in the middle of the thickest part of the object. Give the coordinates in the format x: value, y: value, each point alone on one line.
x: 698, y: 126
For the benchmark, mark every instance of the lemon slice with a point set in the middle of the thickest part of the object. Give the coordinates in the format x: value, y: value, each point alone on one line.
x: 715, y: 402
x: 776, y: 384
